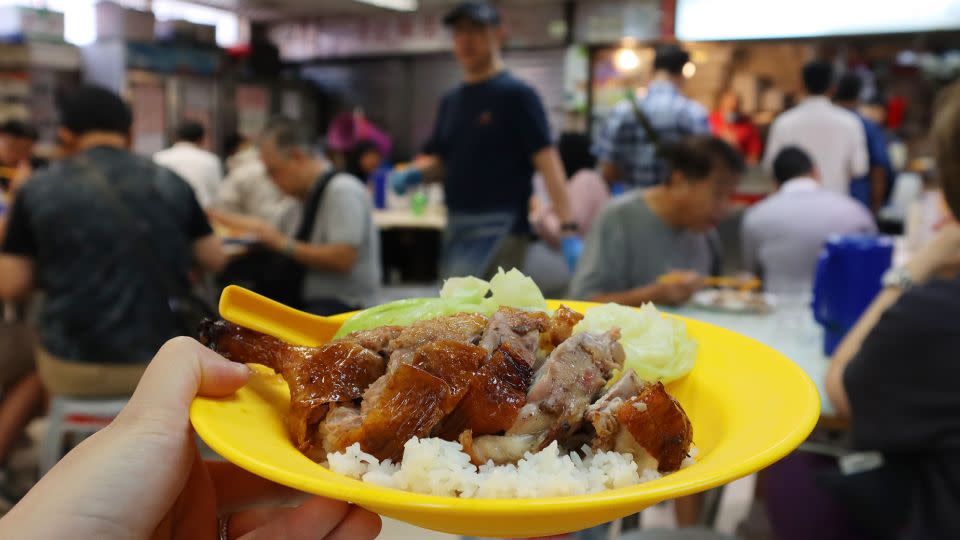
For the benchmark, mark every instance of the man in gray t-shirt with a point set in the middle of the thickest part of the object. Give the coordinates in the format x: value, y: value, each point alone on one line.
x: 655, y: 245
x: 339, y: 253
x: 343, y: 218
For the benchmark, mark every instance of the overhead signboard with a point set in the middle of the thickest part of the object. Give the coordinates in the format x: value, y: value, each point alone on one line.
x: 716, y: 20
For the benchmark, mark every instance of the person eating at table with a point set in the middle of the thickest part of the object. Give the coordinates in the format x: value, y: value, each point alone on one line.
x: 491, y: 134
x: 110, y: 237
x: 783, y: 235
x: 894, y: 374
x: 327, y: 249
x: 655, y: 245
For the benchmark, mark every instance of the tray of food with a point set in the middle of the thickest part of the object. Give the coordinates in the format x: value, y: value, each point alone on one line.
x: 491, y: 412
x: 734, y: 300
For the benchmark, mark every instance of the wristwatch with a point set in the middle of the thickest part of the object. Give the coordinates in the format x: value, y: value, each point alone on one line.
x: 898, y: 277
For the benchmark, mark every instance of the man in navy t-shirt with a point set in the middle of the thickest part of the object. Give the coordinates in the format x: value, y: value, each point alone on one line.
x: 491, y: 135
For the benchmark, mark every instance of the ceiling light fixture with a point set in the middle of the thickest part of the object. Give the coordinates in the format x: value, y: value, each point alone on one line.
x: 398, y: 5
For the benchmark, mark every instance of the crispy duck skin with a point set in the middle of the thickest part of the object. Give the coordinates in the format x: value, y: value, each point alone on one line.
x: 462, y: 327
x: 455, y: 363
x: 337, y: 372
x: 495, y: 396
x: 411, y: 404
x: 659, y: 424
x: 559, y: 328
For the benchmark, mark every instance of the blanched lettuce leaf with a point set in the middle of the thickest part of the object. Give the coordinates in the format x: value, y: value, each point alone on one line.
x: 409, y: 311
x: 468, y: 288
x: 461, y: 294
x: 516, y: 290
x: 657, y: 347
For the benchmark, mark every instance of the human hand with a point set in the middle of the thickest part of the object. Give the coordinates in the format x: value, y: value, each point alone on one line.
x: 263, y: 231
x: 940, y: 257
x: 401, y: 180
x: 142, y: 477
x: 20, y: 177
x: 676, y: 287
x: 572, y: 247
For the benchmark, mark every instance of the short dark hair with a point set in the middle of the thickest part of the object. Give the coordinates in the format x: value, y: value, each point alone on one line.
x: 671, y: 59
x: 849, y: 87
x: 89, y: 108
x: 232, y: 143
x: 817, y: 77
x: 355, y: 154
x: 190, y: 131
x: 287, y: 134
x: 574, y: 149
x: 18, y: 129
x: 697, y: 156
x: 791, y: 162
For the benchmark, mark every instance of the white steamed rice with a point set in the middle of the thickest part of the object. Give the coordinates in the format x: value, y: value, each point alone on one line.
x: 437, y: 467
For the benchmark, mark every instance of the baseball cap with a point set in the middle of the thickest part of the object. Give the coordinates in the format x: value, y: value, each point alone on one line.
x: 474, y: 11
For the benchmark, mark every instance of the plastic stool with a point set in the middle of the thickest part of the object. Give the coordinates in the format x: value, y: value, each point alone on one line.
x: 74, y: 416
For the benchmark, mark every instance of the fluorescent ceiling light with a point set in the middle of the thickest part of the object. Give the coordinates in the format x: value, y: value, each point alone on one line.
x: 399, y: 5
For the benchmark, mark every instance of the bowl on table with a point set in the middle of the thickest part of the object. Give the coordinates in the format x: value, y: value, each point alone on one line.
x: 749, y: 406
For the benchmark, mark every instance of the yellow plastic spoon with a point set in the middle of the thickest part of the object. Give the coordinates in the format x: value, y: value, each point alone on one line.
x: 257, y: 312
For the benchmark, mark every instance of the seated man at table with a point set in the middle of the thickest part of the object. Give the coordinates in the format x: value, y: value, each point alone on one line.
x: 782, y: 236
x: 107, y: 235
x: 656, y: 244
x: 328, y: 249
x: 895, y: 374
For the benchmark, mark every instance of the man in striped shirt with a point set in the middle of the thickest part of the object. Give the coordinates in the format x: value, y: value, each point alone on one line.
x: 625, y: 148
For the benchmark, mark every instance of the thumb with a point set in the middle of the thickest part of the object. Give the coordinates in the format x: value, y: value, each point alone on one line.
x: 182, y: 370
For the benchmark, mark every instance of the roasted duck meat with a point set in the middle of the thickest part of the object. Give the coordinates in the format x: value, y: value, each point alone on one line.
x: 377, y: 340
x: 640, y: 418
x: 520, y: 329
x: 498, y: 448
x: 455, y: 363
x: 602, y: 415
x: 658, y: 424
x: 559, y: 328
x: 336, y: 428
x: 410, y: 403
x: 337, y: 372
x: 462, y: 327
x: 495, y: 396
x: 566, y: 384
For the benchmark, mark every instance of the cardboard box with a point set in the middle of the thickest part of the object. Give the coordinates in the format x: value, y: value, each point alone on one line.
x: 117, y: 22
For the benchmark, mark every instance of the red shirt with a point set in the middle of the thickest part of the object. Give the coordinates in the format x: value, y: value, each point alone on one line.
x: 741, y: 133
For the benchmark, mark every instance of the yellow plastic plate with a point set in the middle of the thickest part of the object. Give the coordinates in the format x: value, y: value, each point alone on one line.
x: 749, y: 406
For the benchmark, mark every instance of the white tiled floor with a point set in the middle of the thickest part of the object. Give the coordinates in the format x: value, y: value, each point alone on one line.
x: 733, y: 508
x: 397, y: 530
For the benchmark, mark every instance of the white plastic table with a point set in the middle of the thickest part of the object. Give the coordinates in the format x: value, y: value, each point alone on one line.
x: 790, y: 330
x: 405, y: 219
